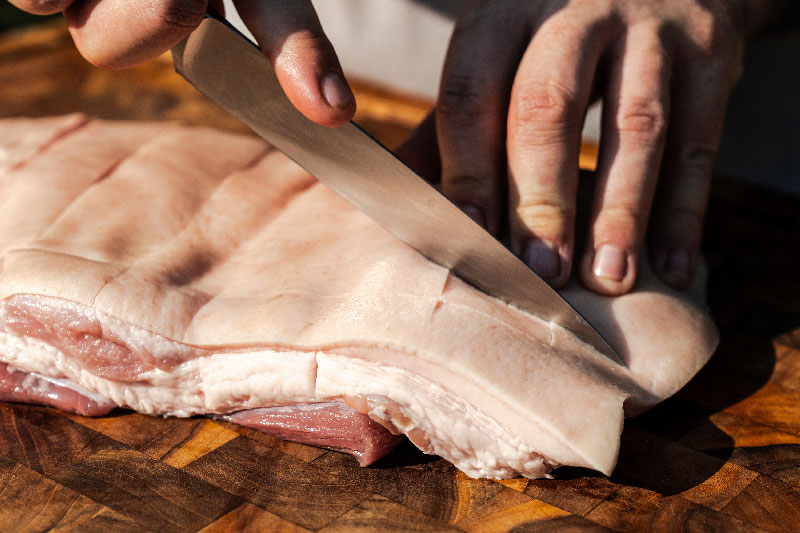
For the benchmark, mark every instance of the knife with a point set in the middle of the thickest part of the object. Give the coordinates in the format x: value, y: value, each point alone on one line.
x: 226, y: 66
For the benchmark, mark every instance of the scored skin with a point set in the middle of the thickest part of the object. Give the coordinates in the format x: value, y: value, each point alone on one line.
x: 21, y: 138
x: 301, y: 268
x: 117, y: 34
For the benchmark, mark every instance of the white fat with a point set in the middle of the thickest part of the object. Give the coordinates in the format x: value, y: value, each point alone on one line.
x: 451, y: 427
x: 438, y: 421
x: 38, y: 375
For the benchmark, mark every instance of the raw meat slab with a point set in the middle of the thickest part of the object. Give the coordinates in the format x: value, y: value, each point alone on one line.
x: 182, y: 271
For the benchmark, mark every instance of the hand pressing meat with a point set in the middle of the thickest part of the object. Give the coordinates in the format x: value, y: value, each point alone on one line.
x: 122, y: 33
x: 516, y: 84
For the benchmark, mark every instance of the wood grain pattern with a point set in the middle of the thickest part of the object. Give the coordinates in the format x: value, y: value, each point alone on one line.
x: 722, y: 455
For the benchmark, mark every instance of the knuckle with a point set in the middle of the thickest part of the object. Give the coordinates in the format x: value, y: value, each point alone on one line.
x: 736, y: 71
x: 620, y: 214
x: 714, y: 33
x: 180, y: 13
x: 687, y: 216
x: 624, y: 222
x: 700, y: 156
x: 721, y: 69
x: 307, y: 46
x: 544, y: 105
x: 462, y: 96
x: 642, y: 122
x: 310, y: 39
x: 44, y: 7
x: 682, y: 222
x: 545, y: 213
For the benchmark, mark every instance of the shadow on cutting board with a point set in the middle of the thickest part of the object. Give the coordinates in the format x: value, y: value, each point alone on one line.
x: 676, y: 446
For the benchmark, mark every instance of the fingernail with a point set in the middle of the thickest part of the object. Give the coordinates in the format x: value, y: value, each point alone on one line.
x: 610, y: 263
x: 677, y: 265
x: 336, y: 91
x: 475, y: 213
x: 542, y: 257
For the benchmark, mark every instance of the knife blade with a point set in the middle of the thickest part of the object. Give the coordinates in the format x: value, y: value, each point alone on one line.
x: 228, y: 68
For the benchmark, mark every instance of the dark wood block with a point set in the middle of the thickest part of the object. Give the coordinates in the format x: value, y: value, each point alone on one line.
x: 787, y: 365
x: 575, y: 490
x: 154, y: 494
x: 773, y: 406
x: 408, y: 477
x: 476, y: 498
x: 281, y: 484
x: 44, y: 440
x: 377, y: 514
x: 32, y: 502
x: 249, y: 518
x: 627, y: 510
x: 533, y: 516
x: 768, y: 504
x: 778, y: 461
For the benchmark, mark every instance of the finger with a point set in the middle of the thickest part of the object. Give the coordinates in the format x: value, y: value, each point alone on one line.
x: 290, y: 34
x: 549, y: 99
x: 695, y: 130
x: 471, y: 112
x: 42, y: 7
x: 120, y: 33
x: 420, y: 152
x: 632, y: 145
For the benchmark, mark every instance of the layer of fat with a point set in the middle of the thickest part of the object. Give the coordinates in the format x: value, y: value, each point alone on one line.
x: 435, y: 419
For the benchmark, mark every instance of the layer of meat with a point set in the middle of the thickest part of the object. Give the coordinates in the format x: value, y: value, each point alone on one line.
x: 333, y: 425
x: 24, y: 387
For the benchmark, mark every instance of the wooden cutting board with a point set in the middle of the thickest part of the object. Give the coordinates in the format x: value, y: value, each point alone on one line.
x: 722, y: 455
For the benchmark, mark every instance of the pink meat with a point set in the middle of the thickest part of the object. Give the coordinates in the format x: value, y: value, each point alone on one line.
x: 84, y: 339
x: 331, y: 425
x: 18, y: 386
x: 78, y: 336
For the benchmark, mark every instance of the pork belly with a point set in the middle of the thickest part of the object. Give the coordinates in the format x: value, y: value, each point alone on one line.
x: 180, y: 271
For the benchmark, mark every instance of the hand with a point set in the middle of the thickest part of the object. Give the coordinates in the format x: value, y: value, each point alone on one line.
x: 122, y: 33
x: 516, y: 84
